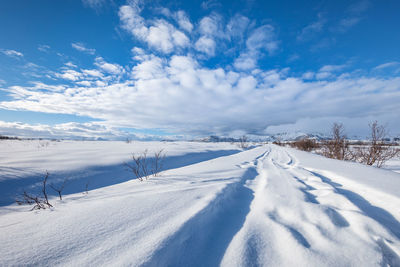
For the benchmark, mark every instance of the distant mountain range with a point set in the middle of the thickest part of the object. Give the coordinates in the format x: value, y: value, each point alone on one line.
x: 286, y: 136
x: 265, y: 138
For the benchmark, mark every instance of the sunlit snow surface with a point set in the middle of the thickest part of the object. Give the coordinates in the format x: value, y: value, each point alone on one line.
x: 213, y: 205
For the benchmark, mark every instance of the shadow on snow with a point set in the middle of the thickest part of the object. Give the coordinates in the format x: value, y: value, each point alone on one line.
x: 207, y: 235
x: 14, y: 181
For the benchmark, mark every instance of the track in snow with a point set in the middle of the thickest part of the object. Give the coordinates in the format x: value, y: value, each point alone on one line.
x: 260, y: 207
x: 281, y: 214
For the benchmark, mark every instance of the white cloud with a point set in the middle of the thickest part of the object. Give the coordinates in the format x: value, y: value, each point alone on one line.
x: 263, y: 37
x: 181, y: 95
x: 209, y: 4
x: 245, y: 62
x: 312, y: 29
x: 329, y: 71
x: 160, y: 38
x: 349, y: 22
x: 148, y: 69
x: 43, y: 48
x: 183, y: 21
x: 84, y: 83
x: 359, y: 7
x: 209, y: 25
x: 132, y: 21
x: 332, y: 68
x: 93, y: 73
x: 95, y: 4
x: 11, y: 53
x: 308, y: 75
x: 71, y: 75
x: 387, y: 65
x: 180, y: 39
x: 237, y: 26
x: 71, y: 130
x: 160, y: 34
x: 108, y: 67
x: 322, y: 75
x: 167, y: 87
x: 82, y: 48
x: 354, y: 14
x: 70, y: 64
x: 260, y: 39
x: 206, y: 45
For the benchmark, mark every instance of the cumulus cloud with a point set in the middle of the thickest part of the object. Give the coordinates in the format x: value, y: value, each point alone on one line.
x: 111, y: 68
x: 93, y: 73
x: 329, y: 71
x: 71, y: 75
x: 158, y: 34
x: 180, y: 95
x: 246, y: 61
x: 210, y: 25
x: 206, y: 45
x: 183, y: 21
x: 261, y: 39
x: 308, y: 75
x: 82, y: 48
x: 168, y: 86
x: 356, y: 127
x: 237, y: 26
x: 70, y: 130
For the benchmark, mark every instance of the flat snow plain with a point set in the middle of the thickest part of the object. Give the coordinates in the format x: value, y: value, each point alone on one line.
x: 213, y: 205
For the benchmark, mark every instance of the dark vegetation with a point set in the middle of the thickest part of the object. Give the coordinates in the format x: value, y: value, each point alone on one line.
x: 375, y: 151
x: 39, y: 201
x: 143, y: 167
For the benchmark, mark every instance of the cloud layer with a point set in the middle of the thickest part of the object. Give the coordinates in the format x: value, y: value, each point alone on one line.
x: 170, y: 85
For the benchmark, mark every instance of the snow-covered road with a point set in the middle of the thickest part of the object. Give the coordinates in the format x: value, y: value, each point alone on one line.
x: 267, y: 206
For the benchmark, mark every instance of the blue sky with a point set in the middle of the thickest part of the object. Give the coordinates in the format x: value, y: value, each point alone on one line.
x: 111, y: 69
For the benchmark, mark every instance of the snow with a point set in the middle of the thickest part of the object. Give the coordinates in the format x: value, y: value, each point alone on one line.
x: 213, y: 205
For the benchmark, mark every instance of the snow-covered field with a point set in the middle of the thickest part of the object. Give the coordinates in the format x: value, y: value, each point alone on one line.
x: 213, y: 205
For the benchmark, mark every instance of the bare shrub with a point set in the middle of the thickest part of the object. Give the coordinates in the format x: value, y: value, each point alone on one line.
x: 143, y: 167
x: 59, y: 188
x: 43, y: 144
x: 30, y: 200
x: 305, y: 144
x: 243, y: 142
x: 40, y: 202
x: 87, y: 187
x: 377, y: 152
x: 338, y: 146
x: 158, y: 160
x: 44, y: 190
x: 278, y: 142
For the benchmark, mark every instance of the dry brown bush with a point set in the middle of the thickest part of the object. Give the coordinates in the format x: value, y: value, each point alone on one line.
x: 337, y: 147
x: 243, y: 142
x: 377, y: 152
x: 305, y: 144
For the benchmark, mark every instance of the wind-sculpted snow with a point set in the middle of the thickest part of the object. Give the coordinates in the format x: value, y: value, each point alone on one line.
x: 266, y: 206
